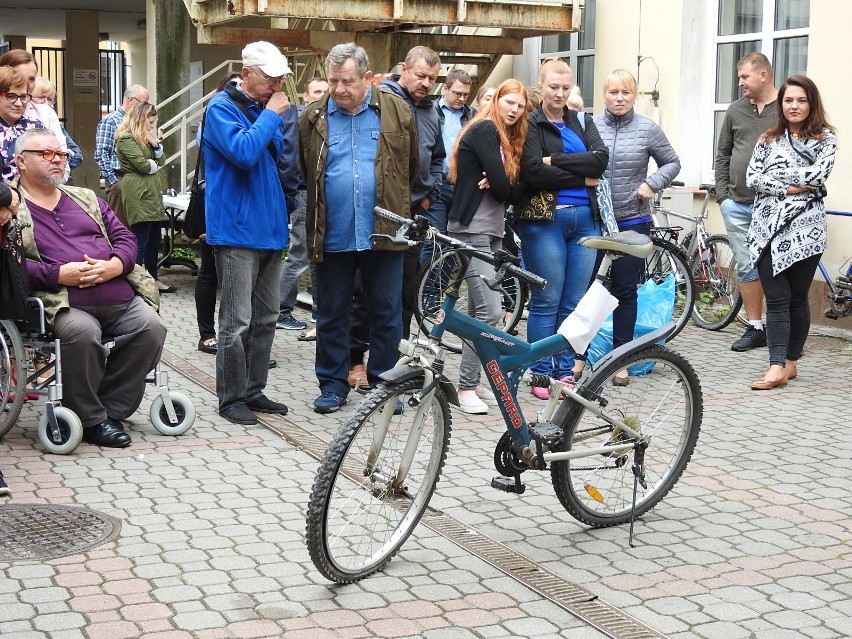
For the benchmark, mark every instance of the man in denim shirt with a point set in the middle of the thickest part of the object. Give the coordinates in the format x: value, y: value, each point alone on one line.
x: 358, y: 149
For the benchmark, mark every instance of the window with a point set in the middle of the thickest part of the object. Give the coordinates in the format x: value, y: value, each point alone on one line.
x: 578, y: 50
x: 776, y: 28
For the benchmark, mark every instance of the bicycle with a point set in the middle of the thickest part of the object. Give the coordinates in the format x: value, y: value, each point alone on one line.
x: 710, y: 259
x: 840, y: 290
x: 380, y: 470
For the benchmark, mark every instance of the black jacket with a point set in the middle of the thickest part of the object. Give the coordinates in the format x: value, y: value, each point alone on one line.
x: 479, y: 152
x: 565, y: 171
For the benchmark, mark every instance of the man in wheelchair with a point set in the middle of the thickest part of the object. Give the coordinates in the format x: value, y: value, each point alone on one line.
x: 81, y: 261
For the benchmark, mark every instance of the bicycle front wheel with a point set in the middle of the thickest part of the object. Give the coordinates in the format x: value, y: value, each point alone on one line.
x: 717, y: 287
x: 663, y: 402
x: 362, y: 508
x: 12, y: 376
x: 669, y: 261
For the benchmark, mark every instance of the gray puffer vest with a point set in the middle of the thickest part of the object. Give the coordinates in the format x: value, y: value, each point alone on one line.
x: 632, y: 140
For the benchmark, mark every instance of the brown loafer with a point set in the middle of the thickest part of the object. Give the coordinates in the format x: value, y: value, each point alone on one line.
x: 358, y: 377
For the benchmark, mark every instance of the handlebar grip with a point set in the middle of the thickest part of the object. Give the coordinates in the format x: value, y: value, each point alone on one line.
x: 530, y: 278
x: 390, y: 215
x: 677, y: 183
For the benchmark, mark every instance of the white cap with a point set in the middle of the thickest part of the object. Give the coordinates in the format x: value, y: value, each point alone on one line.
x: 266, y: 57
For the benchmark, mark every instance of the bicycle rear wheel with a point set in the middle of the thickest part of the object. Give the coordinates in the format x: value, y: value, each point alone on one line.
x: 717, y: 287
x: 435, y: 278
x: 358, y: 514
x: 662, y: 400
x: 667, y: 261
x: 12, y: 378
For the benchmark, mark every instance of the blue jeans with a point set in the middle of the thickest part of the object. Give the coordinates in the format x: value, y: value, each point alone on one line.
x: 148, y: 245
x: 297, y: 261
x: 550, y: 249
x: 248, y: 310
x: 381, y: 273
x: 737, y: 217
x: 437, y: 215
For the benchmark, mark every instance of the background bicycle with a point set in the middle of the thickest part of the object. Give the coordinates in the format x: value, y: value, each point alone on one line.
x: 710, y: 260
x: 840, y: 288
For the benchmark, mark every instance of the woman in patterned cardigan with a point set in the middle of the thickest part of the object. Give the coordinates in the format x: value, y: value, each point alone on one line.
x: 788, y: 233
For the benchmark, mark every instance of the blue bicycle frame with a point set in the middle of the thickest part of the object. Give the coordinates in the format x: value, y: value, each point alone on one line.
x: 503, y: 356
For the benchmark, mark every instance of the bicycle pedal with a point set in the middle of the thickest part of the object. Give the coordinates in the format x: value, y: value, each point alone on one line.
x: 509, y: 484
x: 546, y: 433
x: 831, y: 314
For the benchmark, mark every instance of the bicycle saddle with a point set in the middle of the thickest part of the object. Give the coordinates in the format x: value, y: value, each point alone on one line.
x: 629, y: 242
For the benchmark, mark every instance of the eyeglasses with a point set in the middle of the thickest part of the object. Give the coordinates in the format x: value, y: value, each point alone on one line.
x: 266, y: 77
x: 460, y: 95
x: 14, y: 97
x: 42, y: 99
x: 48, y: 154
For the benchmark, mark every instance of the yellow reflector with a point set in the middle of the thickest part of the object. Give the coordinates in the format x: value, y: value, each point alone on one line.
x: 594, y: 493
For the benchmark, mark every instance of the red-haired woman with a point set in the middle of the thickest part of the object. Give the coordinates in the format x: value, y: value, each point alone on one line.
x: 788, y: 233
x: 485, y: 165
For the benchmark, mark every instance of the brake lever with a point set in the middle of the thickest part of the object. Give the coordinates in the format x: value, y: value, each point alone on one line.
x: 399, y: 239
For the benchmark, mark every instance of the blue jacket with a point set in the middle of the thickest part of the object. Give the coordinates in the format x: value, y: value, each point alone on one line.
x: 243, y: 196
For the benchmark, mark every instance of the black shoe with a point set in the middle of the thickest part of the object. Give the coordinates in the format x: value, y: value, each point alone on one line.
x: 752, y: 338
x: 115, y: 423
x: 107, y: 435
x: 4, y: 489
x: 209, y: 345
x: 239, y: 414
x: 273, y: 363
x: 262, y: 404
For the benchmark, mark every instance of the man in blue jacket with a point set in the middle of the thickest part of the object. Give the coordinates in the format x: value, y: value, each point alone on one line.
x: 247, y: 227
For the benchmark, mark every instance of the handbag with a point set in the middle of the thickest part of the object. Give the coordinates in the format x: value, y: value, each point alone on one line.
x: 14, y: 283
x: 604, y: 196
x: 194, y: 221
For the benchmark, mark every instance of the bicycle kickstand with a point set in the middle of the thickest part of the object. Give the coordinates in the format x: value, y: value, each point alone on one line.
x: 638, y: 478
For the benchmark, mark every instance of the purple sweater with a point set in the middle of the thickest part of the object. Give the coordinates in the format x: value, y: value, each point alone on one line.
x: 64, y: 235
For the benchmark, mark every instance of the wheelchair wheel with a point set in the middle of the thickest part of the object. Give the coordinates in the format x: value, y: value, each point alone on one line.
x: 184, y: 411
x: 70, y: 431
x: 12, y: 376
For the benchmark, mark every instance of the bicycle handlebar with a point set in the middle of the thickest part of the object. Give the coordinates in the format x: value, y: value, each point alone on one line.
x: 499, y: 260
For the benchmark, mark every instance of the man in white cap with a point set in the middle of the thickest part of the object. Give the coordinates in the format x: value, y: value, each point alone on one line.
x: 247, y: 227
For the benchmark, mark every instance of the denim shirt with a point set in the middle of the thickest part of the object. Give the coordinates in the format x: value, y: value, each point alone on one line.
x: 350, y: 177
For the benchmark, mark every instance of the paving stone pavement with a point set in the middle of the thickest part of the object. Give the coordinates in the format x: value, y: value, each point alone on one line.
x: 754, y: 541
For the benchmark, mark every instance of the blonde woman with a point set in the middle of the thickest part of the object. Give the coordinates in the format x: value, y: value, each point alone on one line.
x: 561, y: 165
x: 140, y: 155
x: 44, y: 93
x: 485, y: 165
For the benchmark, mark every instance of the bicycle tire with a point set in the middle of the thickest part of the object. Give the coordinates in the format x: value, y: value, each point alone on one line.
x: 356, y: 519
x: 669, y: 260
x: 665, y: 402
x: 432, y: 283
x: 717, y: 287
x: 12, y: 378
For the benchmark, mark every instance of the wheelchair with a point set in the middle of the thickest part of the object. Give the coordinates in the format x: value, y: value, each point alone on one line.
x: 31, y: 364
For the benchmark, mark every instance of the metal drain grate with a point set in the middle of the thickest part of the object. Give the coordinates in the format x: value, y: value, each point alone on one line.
x: 578, y: 601
x: 572, y: 598
x: 43, y: 531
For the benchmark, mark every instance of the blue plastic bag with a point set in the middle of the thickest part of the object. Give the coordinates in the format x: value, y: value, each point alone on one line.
x: 655, y: 308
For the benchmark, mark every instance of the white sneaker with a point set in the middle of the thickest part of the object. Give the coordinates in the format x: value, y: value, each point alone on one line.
x: 471, y: 404
x: 486, y: 396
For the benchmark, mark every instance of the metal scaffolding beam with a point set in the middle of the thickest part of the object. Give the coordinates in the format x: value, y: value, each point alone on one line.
x: 546, y: 17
